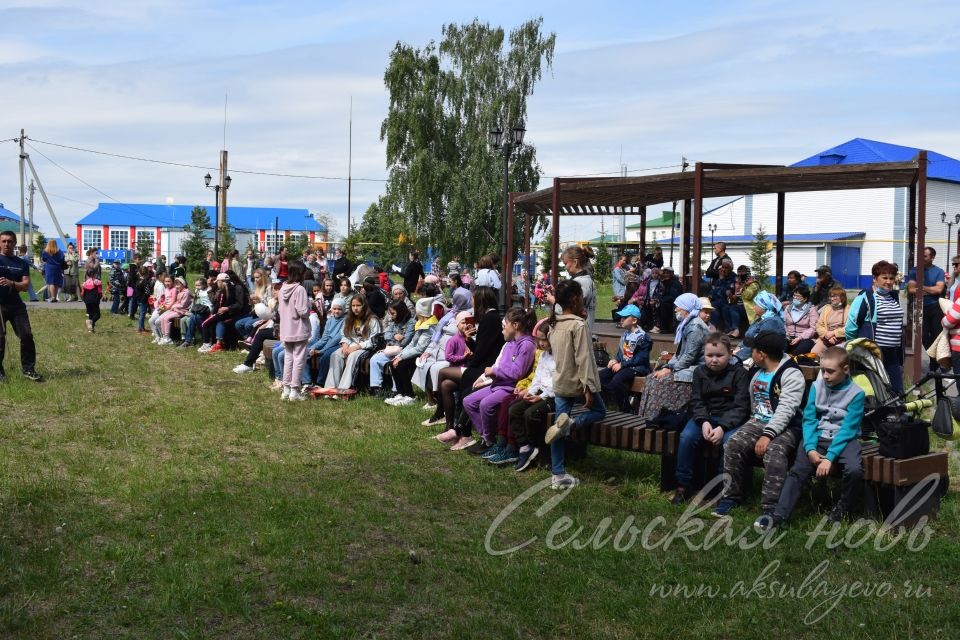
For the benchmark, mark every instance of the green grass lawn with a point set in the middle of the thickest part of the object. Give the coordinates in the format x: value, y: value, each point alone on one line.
x: 149, y: 492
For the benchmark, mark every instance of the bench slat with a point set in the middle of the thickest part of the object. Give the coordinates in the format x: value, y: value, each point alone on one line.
x: 913, y: 470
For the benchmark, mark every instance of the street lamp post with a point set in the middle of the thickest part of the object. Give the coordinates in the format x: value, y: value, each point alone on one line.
x: 713, y: 229
x: 956, y: 220
x: 216, y: 225
x: 514, y: 140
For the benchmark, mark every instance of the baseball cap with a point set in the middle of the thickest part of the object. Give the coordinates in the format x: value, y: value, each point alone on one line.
x: 630, y: 310
x: 770, y: 342
x: 824, y: 269
x: 222, y: 276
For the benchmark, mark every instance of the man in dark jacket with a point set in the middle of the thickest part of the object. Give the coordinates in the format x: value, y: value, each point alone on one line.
x: 720, y: 254
x: 341, y: 265
x: 820, y: 295
x: 413, y: 273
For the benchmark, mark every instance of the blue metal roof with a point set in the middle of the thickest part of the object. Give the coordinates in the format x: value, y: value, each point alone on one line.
x: 842, y: 236
x: 178, y: 216
x: 6, y: 214
x: 862, y: 151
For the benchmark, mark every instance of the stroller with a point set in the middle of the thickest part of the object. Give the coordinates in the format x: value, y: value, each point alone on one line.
x: 868, y: 373
x: 899, y: 425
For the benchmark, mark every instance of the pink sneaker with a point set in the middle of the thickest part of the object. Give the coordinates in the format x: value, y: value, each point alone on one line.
x: 447, y: 436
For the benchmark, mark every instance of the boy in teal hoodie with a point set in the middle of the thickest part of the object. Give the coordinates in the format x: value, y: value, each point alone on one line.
x: 831, y: 427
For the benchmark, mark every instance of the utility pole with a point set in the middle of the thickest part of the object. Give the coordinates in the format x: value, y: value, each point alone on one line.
x: 22, y: 204
x: 29, y: 242
x: 349, y: 171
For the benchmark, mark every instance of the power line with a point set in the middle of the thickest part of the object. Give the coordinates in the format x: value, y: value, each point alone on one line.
x: 197, y: 166
x: 611, y: 173
x: 103, y: 193
x: 302, y: 176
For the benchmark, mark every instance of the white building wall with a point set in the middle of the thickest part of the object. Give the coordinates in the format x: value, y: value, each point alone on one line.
x: 660, y: 234
x: 942, y: 197
x: 879, y: 213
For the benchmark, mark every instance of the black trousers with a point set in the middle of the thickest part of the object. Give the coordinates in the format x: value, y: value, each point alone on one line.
x: 402, y: 376
x: 17, y: 316
x: 257, y: 346
x: 93, y: 311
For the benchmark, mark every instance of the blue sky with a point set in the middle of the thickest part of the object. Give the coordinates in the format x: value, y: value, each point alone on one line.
x: 647, y: 82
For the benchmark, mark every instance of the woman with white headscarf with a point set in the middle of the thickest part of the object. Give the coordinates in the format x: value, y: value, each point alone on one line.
x: 668, y: 388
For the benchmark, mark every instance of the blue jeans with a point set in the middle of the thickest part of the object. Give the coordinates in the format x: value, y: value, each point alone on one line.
x: 143, y: 315
x: 377, y: 362
x: 279, y: 354
x: 691, y: 438
x: 596, y: 412
x: 244, y: 326
x: 31, y: 293
x: 115, y: 307
x: 221, y: 328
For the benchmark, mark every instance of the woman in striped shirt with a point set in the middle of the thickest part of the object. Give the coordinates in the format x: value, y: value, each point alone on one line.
x: 876, y: 314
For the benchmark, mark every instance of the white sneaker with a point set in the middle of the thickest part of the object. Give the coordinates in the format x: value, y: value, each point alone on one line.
x: 261, y: 360
x: 165, y: 341
x: 285, y: 394
x: 429, y: 407
x: 296, y: 396
x: 156, y: 340
x: 404, y: 401
x: 242, y: 368
x: 277, y: 385
x: 206, y: 346
x: 393, y: 401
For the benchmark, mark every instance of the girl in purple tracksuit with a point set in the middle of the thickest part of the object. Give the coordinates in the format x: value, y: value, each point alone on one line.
x: 513, y: 364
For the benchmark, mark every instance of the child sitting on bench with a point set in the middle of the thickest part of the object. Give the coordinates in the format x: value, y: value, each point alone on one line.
x: 773, y: 431
x: 831, y: 426
x: 632, y: 359
x: 720, y: 404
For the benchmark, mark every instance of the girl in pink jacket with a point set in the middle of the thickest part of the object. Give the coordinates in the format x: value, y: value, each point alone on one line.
x: 179, y: 308
x: 294, y: 312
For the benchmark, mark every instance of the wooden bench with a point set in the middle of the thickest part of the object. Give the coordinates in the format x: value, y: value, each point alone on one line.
x: 899, y: 486
x: 889, y: 483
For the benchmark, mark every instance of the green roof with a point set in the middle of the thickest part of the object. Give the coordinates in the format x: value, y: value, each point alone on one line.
x: 607, y: 237
x: 662, y: 221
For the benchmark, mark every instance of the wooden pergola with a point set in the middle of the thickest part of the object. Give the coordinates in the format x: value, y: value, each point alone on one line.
x: 632, y: 196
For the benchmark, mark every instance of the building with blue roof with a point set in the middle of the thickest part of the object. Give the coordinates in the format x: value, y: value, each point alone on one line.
x: 9, y: 221
x: 848, y: 230
x: 120, y: 226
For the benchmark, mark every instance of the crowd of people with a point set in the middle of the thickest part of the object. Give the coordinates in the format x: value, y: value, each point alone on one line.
x: 490, y: 379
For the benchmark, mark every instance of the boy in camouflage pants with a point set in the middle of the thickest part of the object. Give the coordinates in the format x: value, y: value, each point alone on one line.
x: 774, y: 429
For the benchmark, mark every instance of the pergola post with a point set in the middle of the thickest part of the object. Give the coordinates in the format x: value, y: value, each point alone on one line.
x: 781, y: 206
x: 555, y: 240
x: 684, y: 245
x: 643, y: 234
x: 526, y: 256
x: 918, y: 352
x: 697, y: 227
